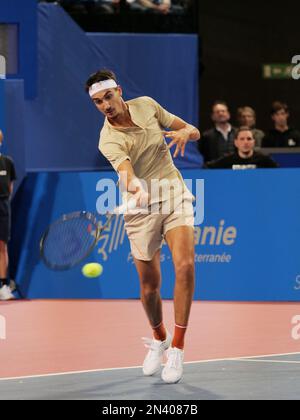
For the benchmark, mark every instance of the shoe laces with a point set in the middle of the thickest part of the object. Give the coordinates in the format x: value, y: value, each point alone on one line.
x: 174, y: 358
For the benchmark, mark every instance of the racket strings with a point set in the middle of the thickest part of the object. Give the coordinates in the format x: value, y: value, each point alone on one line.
x: 69, y: 241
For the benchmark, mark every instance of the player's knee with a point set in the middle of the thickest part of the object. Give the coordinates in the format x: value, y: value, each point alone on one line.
x: 185, y: 269
x: 150, y: 286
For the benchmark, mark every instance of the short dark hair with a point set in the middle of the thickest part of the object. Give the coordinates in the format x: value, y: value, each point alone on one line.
x: 99, y: 76
x: 219, y: 102
x: 278, y: 106
x: 239, y: 130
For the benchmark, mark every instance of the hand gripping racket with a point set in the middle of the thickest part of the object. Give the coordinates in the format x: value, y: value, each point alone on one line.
x: 71, y: 238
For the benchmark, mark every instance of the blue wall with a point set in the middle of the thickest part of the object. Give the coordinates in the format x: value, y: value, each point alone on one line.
x: 260, y: 261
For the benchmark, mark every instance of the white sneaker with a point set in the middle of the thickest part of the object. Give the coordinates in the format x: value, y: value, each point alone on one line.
x: 173, y: 371
x: 153, y: 360
x: 5, y: 293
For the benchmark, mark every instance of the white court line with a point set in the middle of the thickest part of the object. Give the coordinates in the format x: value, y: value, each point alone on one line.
x: 228, y: 359
x: 268, y: 361
x: 243, y: 357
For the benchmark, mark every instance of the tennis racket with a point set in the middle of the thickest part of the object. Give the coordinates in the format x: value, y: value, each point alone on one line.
x: 72, y: 237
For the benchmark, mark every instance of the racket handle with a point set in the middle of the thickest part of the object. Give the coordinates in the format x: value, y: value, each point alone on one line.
x: 124, y: 208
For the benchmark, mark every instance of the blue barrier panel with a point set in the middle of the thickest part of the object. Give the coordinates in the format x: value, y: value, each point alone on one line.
x: 246, y: 248
x: 287, y: 160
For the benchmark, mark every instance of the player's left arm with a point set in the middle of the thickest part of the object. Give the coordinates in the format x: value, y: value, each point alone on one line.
x: 181, y: 132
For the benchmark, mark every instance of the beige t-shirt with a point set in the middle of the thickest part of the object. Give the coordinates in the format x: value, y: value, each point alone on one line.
x: 144, y: 146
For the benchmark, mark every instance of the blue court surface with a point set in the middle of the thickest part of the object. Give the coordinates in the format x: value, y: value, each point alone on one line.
x: 275, y: 377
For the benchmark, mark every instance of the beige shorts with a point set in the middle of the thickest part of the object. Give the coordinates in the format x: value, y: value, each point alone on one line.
x: 146, y: 232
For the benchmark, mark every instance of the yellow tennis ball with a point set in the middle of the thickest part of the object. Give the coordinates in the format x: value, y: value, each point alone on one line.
x: 92, y: 270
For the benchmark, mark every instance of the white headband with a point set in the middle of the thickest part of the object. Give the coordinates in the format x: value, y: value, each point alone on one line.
x: 99, y: 86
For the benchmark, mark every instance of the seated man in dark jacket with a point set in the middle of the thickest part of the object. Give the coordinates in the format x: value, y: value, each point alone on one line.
x: 244, y: 157
x: 220, y: 139
x: 281, y: 135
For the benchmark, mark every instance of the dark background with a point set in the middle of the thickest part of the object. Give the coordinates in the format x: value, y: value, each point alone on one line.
x: 237, y: 39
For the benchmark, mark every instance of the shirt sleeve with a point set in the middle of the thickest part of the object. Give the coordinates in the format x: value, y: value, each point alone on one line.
x: 114, y: 152
x: 164, y: 117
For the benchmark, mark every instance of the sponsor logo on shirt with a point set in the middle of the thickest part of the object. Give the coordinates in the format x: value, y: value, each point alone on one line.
x: 243, y: 166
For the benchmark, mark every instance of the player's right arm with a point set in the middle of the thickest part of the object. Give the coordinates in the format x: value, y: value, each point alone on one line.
x: 132, y: 184
x: 117, y: 153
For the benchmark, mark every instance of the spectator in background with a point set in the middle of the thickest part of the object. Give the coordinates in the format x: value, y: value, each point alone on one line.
x: 136, y: 6
x: 109, y: 6
x: 247, y: 118
x: 84, y: 6
x: 281, y: 135
x: 113, y: 6
x: 7, y: 177
x: 244, y: 157
x: 160, y: 6
x: 218, y: 140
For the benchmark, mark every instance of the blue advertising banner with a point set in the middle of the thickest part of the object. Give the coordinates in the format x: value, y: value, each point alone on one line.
x: 247, y: 247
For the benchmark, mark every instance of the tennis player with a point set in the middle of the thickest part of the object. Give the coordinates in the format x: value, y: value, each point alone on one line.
x: 133, y: 141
